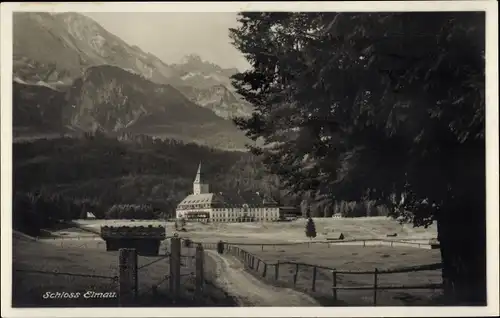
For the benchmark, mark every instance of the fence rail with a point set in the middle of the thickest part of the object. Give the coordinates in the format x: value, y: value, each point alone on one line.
x: 131, y: 291
x: 329, y: 243
x: 254, y: 263
x: 56, y: 272
x: 128, y: 269
x: 427, y: 286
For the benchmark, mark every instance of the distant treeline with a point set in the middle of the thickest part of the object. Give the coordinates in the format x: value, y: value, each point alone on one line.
x: 103, y: 172
x: 34, y: 211
x: 349, y: 209
x: 134, y: 177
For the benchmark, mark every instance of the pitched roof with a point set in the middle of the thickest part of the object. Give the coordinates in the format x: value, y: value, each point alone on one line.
x: 227, y: 199
x: 202, y: 198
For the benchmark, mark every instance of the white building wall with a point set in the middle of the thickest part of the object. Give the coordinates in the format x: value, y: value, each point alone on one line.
x: 233, y: 214
x: 199, y: 188
x: 182, y: 213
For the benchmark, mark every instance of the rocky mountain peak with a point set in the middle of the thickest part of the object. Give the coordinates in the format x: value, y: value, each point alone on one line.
x: 116, y: 86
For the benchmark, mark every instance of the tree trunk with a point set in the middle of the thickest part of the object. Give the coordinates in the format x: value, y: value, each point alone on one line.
x: 462, y: 236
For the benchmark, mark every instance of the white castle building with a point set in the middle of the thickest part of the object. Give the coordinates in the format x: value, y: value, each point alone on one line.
x: 202, y: 205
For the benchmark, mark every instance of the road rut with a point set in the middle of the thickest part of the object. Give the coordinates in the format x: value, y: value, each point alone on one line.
x: 250, y: 291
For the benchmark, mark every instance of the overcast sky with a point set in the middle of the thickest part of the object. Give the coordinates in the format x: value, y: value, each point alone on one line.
x: 170, y: 36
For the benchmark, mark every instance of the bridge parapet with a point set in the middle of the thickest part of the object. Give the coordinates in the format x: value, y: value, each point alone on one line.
x: 146, y: 239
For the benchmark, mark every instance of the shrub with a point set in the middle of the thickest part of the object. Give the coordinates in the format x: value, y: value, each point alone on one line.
x: 310, y: 228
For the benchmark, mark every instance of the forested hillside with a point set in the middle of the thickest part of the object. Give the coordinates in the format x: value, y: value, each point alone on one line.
x: 63, y: 178
x: 95, y: 172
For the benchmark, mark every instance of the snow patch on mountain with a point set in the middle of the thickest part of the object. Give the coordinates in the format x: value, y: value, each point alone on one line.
x: 18, y: 80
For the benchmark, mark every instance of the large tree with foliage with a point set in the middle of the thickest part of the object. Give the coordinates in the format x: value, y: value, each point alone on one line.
x: 379, y: 106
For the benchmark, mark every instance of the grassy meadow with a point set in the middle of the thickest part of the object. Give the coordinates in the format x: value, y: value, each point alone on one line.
x: 282, y: 232
x: 88, y: 257
x: 352, y: 258
x: 77, y: 248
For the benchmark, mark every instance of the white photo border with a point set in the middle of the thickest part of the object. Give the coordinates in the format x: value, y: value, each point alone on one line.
x: 491, y: 9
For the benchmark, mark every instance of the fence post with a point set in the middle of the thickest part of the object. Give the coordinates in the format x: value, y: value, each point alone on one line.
x: 334, y: 283
x: 296, y: 274
x: 199, y: 271
x: 253, y: 262
x: 265, y: 270
x: 175, y: 267
x: 276, y: 270
x: 262, y: 247
x: 128, y: 276
x: 258, y: 263
x: 375, y: 274
x: 314, y: 278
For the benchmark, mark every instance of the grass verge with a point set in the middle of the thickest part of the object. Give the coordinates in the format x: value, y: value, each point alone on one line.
x: 355, y: 258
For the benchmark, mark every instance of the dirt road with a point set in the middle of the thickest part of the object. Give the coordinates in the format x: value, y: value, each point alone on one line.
x: 248, y: 290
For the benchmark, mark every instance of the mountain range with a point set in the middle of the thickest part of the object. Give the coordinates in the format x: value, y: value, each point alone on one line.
x: 70, y: 74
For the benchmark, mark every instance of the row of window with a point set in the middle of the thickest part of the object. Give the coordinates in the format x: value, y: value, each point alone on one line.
x: 208, y: 206
x: 245, y: 210
x: 195, y: 206
x: 239, y: 219
x: 242, y: 219
x: 239, y: 214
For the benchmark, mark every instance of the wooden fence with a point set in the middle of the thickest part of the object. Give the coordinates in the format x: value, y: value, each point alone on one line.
x: 363, y: 242
x: 128, y: 273
x: 128, y: 268
x: 187, y: 278
x: 256, y: 264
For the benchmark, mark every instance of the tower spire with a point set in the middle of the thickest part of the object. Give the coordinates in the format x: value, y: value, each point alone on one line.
x: 199, y: 184
x: 198, y: 178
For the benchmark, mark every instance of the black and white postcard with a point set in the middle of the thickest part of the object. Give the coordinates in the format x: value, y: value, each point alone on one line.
x: 248, y: 159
